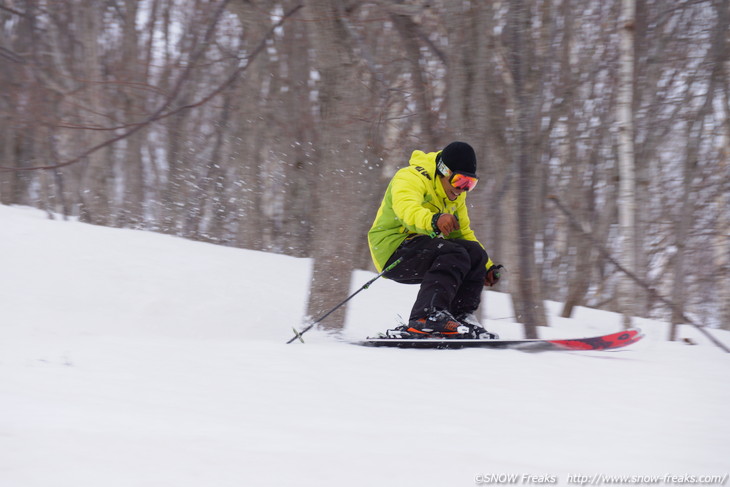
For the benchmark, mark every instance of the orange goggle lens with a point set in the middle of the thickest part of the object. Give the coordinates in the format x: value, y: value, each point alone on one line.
x: 462, y: 181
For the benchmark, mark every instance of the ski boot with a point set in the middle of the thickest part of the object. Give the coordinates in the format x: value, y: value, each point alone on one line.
x: 476, y: 330
x: 438, y: 324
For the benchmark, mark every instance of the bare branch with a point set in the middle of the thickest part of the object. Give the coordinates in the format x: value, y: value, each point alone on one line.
x: 609, y: 257
x: 160, y: 113
x: 12, y: 11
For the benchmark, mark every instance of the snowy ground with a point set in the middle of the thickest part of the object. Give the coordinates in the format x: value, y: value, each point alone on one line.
x: 136, y: 359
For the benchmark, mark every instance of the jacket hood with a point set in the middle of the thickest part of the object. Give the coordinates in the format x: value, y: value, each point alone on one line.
x: 425, y: 163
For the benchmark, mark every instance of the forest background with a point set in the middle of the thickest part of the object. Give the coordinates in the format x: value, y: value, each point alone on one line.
x: 602, y: 130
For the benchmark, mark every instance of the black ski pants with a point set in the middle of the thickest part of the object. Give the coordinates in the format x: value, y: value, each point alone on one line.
x: 451, y: 273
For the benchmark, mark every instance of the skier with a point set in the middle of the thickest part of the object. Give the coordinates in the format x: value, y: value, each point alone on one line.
x: 423, y: 201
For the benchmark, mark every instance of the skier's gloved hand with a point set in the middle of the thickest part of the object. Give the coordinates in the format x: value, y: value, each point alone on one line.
x: 493, y: 275
x: 444, y: 223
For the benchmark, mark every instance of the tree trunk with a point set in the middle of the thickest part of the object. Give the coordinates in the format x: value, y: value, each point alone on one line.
x: 627, y: 170
x: 299, y: 171
x: 95, y: 191
x: 340, y: 186
x: 409, y: 33
x: 132, y: 211
x: 528, y: 305
x: 249, y: 134
x: 722, y: 244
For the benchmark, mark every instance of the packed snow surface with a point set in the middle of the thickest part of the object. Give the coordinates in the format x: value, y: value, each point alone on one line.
x: 135, y: 359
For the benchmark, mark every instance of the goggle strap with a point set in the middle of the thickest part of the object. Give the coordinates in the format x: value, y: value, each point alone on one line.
x: 443, y: 168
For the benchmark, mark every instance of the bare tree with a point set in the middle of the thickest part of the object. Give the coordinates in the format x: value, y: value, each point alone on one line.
x: 227, y: 122
x: 340, y: 186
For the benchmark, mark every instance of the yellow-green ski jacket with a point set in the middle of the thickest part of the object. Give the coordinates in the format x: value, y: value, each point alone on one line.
x: 413, y: 196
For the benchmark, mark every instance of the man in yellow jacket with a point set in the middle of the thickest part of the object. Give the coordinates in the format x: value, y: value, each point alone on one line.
x: 424, y: 201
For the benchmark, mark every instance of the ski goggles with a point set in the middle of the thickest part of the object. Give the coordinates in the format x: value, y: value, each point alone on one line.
x: 459, y: 180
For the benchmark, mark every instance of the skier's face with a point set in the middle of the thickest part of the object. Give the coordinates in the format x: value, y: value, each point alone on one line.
x: 451, y: 192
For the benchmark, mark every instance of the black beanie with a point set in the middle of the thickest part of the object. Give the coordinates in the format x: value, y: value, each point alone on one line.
x: 460, y: 157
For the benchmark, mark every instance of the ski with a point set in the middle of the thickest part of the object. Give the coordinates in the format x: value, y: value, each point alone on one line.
x: 603, y: 342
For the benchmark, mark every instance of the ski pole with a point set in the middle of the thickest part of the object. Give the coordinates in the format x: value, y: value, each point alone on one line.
x: 298, y: 334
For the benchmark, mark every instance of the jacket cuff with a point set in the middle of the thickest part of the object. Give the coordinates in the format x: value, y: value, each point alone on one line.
x: 434, y: 222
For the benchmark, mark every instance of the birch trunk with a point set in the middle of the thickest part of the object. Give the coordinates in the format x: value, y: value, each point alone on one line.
x: 626, y: 163
x: 722, y: 246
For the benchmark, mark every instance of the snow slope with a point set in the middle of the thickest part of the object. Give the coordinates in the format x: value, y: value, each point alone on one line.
x: 131, y: 358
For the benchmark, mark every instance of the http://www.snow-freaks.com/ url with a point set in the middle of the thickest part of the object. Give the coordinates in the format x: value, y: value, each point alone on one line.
x: 599, y: 479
